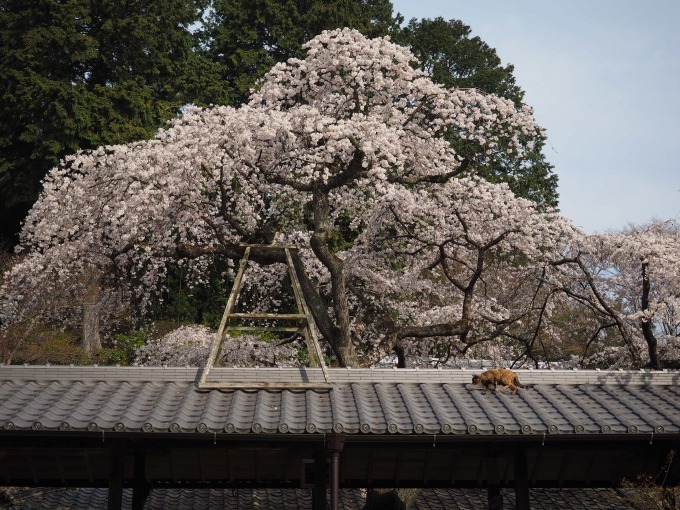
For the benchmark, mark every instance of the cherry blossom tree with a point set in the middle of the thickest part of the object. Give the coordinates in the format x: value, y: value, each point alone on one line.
x: 462, y: 265
x: 348, y: 154
x: 630, y: 280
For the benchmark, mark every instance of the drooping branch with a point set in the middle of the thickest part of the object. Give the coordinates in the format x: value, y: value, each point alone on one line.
x: 224, y: 200
x: 433, y: 179
x: 347, y: 173
x: 594, y: 336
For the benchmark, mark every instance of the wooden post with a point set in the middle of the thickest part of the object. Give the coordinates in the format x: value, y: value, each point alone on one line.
x: 140, y: 489
x: 521, y: 479
x: 494, y: 496
x: 335, y: 446
x: 304, y: 324
x: 335, y: 480
x: 117, y: 464
x: 320, y: 484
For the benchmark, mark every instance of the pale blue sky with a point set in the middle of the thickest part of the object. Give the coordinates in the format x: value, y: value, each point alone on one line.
x: 603, y: 77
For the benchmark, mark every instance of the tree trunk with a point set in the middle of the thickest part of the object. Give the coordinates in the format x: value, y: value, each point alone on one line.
x: 91, y: 340
x: 646, y: 323
x: 342, y: 346
x: 92, y: 305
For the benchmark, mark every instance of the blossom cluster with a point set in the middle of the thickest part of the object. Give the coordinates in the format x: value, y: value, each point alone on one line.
x: 191, y: 345
x: 364, y: 163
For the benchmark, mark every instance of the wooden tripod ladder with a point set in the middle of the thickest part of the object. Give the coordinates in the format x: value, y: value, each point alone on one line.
x: 304, y: 325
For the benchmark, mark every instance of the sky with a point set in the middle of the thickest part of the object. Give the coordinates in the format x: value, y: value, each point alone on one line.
x: 603, y: 77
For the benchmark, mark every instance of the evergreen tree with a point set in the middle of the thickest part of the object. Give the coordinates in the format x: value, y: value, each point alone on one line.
x: 77, y: 74
x: 247, y: 37
x: 455, y: 59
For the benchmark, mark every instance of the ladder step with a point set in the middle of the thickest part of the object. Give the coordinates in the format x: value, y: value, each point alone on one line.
x: 280, y: 316
x: 290, y: 329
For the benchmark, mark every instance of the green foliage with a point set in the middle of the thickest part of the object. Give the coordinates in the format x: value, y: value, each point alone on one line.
x: 247, y: 37
x: 302, y: 356
x: 76, y: 74
x: 199, y: 304
x: 122, y: 351
x: 455, y: 59
x: 41, y: 344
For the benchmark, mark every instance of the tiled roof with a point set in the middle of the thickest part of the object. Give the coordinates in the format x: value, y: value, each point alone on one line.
x: 364, y: 401
x: 294, y: 499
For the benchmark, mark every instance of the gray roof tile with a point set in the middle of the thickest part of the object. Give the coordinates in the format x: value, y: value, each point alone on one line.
x: 419, y: 409
x: 371, y: 419
x: 319, y: 412
x: 474, y: 417
x: 501, y: 420
x: 360, y: 401
x: 241, y: 410
x: 267, y: 414
x: 654, y: 409
x: 300, y: 499
x: 344, y: 411
x: 393, y: 408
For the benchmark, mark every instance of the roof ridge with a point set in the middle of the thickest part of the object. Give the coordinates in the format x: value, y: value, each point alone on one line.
x: 337, y: 375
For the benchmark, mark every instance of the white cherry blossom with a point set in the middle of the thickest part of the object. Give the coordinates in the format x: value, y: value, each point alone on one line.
x: 353, y: 155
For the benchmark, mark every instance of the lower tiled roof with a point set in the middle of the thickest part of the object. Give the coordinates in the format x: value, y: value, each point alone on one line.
x: 382, y: 401
x: 294, y: 499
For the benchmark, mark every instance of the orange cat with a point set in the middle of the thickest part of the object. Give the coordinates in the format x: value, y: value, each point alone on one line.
x: 498, y: 376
